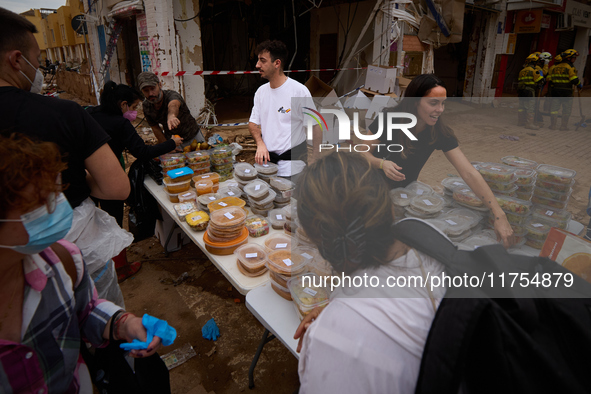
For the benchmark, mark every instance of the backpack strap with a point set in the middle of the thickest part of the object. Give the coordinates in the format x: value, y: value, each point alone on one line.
x: 67, y: 260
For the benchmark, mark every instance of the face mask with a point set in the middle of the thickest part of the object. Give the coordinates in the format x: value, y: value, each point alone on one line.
x: 44, y: 228
x: 37, y: 83
x: 130, y: 115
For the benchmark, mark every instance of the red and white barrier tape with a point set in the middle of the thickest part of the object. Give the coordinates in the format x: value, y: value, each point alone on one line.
x: 183, y: 73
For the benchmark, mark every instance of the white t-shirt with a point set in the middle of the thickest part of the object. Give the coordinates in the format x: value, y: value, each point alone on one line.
x: 282, y: 123
x: 373, y: 344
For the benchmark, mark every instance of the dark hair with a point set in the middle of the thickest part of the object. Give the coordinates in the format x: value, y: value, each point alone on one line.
x: 419, y: 87
x: 114, y: 94
x: 276, y: 49
x: 345, y: 209
x: 13, y: 31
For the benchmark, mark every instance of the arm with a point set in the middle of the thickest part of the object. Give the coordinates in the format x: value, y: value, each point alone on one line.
x: 138, y: 148
x: 305, y: 324
x: 128, y: 327
x: 105, y: 177
x: 479, y: 186
x: 157, y: 130
x: 173, y: 113
x: 391, y: 169
x: 262, y: 154
x: 316, y: 141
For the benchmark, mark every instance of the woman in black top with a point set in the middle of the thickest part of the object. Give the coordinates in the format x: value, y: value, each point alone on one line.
x: 425, y: 98
x: 117, y: 110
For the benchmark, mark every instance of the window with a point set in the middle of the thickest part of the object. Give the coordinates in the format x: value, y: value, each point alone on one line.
x: 45, y: 38
x: 63, y: 30
x: 52, y: 35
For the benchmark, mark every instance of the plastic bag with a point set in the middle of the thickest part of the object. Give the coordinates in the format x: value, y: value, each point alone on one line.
x: 236, y: 148
x: 105, y: 282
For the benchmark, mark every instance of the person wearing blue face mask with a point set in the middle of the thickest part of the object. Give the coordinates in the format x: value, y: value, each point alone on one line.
x: 117, y: 110
x: 48, y: 302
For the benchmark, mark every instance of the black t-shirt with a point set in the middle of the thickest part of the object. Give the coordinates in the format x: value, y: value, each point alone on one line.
x: 417, y: 152
x: 60, y: 121
x: 187, y: 129
x: 123, y: 135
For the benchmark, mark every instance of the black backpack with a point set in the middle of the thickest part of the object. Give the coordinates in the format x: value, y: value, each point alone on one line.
x: 494, y: 339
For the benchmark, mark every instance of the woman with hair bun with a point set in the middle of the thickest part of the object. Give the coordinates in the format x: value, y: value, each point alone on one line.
x: 117, y: 110
x: 425, y: 98
x: 368, y: 339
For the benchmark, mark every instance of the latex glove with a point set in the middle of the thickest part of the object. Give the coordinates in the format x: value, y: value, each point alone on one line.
x: 154, y: 327
x: 210, y: 330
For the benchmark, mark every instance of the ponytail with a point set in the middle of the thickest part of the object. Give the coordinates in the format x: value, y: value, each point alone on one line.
x: 113, y: 94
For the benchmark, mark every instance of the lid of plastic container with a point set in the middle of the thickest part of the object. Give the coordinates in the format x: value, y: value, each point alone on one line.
x: 427, y: 203
x: 245, y: 170
x: 402, y: 196
x: 419, y: 188
x: 287, y: 261
x: 251, y: 255
x: 450, y: 183
x: 537, y: 226
x: 266, y: 169
x: 291, y: 210
x: 309, y: 252
x: 539, y: 191
x: 276, y: 217
x: 525, y: 173
x: 456, y: 224
x: 179, y: 172
x: 222, y: 151
x: 189, y: 194
x: 556, y: 174
x: 281, y: 184
x: 465, y: 213
x: 516, y: 161
x: 171, y: 182
x: 230, y: 191
x: 228, y: 217
x: 479, y: 239
x: 241, y: 238
x: 305, y: 293
x: 513, y: 205
x: 203, y: 183
x: 441, y: 225
x: 256, y: 188
x: 184, y: 208
x: 212, y: 176
x: 265, y: 201
x: 510, y: 190
x: 205, y: 199
x: 256, y: 221
x: 196, y: 218
x: 465, y: 195
x: 494, y: 169
x: 280, y: 242
x: 198, y: 155
x: 476, y: 164
x: 171, y: 159
x: 226, y: 202
x: 559, y: 215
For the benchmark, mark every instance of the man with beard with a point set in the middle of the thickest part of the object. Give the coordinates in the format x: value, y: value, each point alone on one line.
x: 167, y: 108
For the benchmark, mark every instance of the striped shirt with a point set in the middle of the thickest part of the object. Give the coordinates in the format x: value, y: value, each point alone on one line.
x: 55, y: 319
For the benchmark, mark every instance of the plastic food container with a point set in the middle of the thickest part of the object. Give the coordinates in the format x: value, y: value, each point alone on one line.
x: 549, y: 202
x: 287, y: 262
x: 402, y: 196
x: 477, y: 240
x: 427, y: 204
x: 525, y: 196
x: 473, y: 217
x: 198, y: 156
x: 200, y: 171
x: 519, y: 236
x: 280, y: 242
x: 180, y: 174
x: 276, y: 218
x: 555, y: 217
x: 212, y: 176
x: 307, y: 293
x: 228, y: 217
x: 226, y: 202
x: 465, y: 196
x: 557, y: 187
x: 172, y: 159
x: 419, y: 188
x: 450, y: 183
x: 534, y: 243
x: 526, y: 187
x: 266, y: 202
x: 174, y: 187
x: 257, y: 226
x: 261, y: 212
x: 409, y: 212
x: 281, y: 184
x: 281, y: 290
x: 197, y: 220
x: 547, y: 193
x: 245, y: 172
x: 230, y: 191
x: 204, y: 186
x: 553, y: 174
x: 257, y: 190
x: 266, y: 169
x: 515, y: 161
x: 524, y: 176
x: 205, y: 199
x: 184, y: 208
x: 495, y: 172
x: 251, y: 258
x: 457, y: 225
x: 200, y: 165
x: 513, y: 205
x: 511, y: 193
x: 221, y: 151
x: 165, y: 169
x: 173, y: 197
x: 189, y: 196
x: 502, y: 186
x: 537, y: 230
x: 225, y: 248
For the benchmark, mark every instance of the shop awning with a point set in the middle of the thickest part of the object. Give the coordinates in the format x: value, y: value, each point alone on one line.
x: 126, y: 9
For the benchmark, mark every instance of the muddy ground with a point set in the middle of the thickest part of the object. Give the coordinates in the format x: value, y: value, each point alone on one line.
x: 222, y: 366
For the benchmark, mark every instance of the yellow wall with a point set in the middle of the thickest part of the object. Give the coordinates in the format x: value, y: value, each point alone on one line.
x: 37, y: 21
x: 65, y: 23
x: 54, y: 40
x: 76, y: 8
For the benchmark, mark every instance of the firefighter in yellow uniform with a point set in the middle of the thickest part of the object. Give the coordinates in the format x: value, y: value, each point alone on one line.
x: 529, y: 81
x: 562, y: 79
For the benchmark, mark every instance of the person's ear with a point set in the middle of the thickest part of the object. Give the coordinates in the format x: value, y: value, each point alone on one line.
x: 13, y: 59
x: 123, y: 104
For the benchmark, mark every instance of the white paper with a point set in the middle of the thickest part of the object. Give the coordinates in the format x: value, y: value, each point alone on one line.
x: 256, y: 223
x: 205, y: 176
x: 451, y: 222
x: 212, y: 198
x: 403, y: 195
x: 537, y: 225
x: 549, y: 213
x: 202, y: 184
x: 310, y: 291
x: 280, y: 246
x: 427, y: 202
x: 247, y: 171
x: 419, y: 192
x: 287, y: 262
x: 458, y: 183
x: 257, y: 187
x: 230, y: 193
x: 229, y: 215
x: 223, y: 204
x: 251, y: 255
x: 265, y: 165
x: 495, y: 169
x: 279, y: 217
x: 306, y: 255
x: 520, y: 161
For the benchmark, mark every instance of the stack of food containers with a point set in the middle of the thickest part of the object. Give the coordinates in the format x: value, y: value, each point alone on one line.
x: 515, y: 161
x: 205, y: 199
x: 307, y: 292
x: 251, y: 260
x: 553, y: 186
x: 266, y: 171
x: 260, y: 197
x: 277, y: 218
x: 283, y: 265
x: 245, y: 172
x: 291, y: 213
x: 419, y: 188
x: 500, y: 178
x: 176, y: 182
x: 525, y: 174
x: 474, y: 241
x: 461, y: 223
x: 465, y: 197
x: 450, y: 183
x: 257, y: 226
x: 284, y: 189
x: 210, y: 176
x: 226, y: 231
x: 537, y: 232
x: 221, y: 158
x: 555, y: 217
x: 517, y: 212
x: 189, y: 196
x: 226, y: 202
x: 401, y: 199
x: 171, y: 161
x: 426, y: 206
x: 199, y: 161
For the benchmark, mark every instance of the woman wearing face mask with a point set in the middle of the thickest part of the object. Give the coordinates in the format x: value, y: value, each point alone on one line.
x: 117, y: 110
x: 47, y: 300
x: 425, y: 98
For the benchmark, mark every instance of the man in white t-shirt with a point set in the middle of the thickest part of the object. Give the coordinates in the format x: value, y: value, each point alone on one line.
x: 277, y: 122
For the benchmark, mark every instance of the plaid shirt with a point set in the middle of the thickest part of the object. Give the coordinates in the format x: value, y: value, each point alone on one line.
x: 55, y: 318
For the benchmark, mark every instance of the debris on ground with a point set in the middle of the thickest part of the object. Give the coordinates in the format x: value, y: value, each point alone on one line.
x: 179, y: 356
x: 509, y: 137
x: 210, y: 330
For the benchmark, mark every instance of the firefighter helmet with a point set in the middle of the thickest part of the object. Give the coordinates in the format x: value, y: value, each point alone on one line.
x: 545, y: 56
x: 569, y: 53
x: 532, y: 58
x: 558, y: 58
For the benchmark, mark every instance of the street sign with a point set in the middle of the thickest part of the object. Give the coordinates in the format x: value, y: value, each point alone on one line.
x: 79, y: 24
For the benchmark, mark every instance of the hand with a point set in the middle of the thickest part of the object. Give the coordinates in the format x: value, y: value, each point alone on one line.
x: 173, y: 122
x: 392, y: 170
x: 504, y: 231
x: 177, y: 140
x: 303, y: 327
x: 262, y: 155
x: 130, y: 327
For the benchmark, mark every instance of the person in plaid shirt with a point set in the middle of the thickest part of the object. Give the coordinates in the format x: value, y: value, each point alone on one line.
x: 48, y: 302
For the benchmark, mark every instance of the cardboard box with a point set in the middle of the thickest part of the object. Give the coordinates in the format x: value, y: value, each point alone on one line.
x: 570, y: 251
x: 319, y: 89
x: 163, y: 228
x: 381, y: 79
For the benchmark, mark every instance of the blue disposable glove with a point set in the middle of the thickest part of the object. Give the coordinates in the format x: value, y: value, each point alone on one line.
x: 154, y: 327
x: 210, y: 330
x: 580, y: 85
